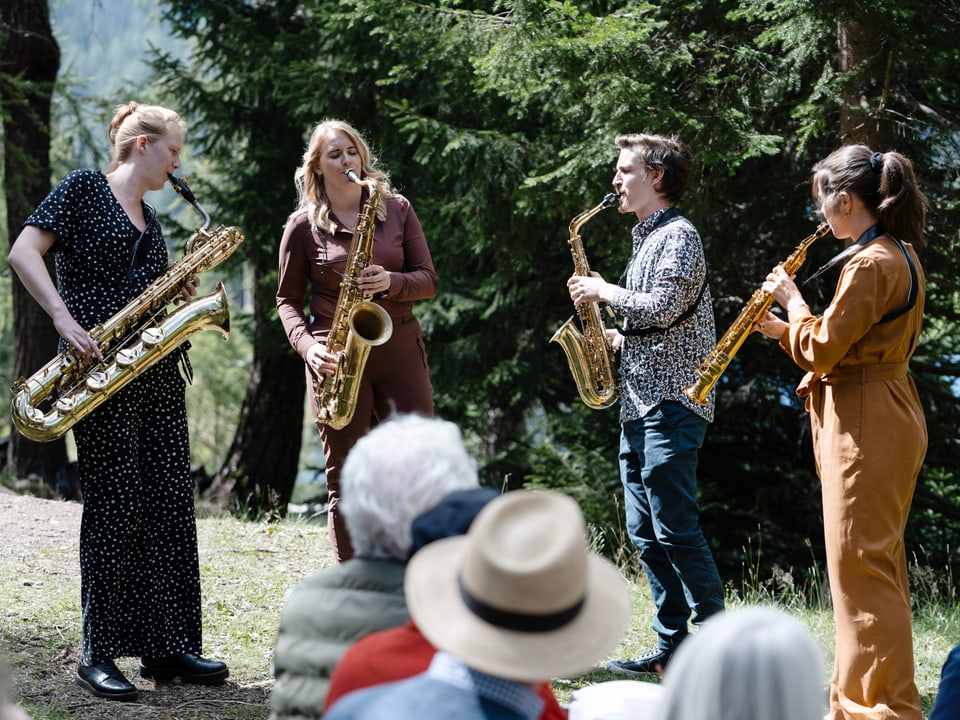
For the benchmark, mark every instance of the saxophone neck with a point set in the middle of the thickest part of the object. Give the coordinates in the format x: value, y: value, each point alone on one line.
x: 580, y: 220
x: 372, y: 185
x: 799, y: 256
x: 183, y: 190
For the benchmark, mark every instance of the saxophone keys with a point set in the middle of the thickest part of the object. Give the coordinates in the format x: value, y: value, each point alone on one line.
x: 35, y: 415
x: 65, y: 405
x: 152, y: 336
x: 127, y: 356
x: 97, y: 380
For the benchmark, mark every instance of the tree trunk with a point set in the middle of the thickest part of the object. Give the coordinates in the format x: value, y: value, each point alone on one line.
x: 868, y: 61
x: 31, y: 54
x: 260, y: 469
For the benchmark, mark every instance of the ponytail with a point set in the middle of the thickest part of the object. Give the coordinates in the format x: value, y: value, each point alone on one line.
x: 884, y: 182
x: 903, y: 208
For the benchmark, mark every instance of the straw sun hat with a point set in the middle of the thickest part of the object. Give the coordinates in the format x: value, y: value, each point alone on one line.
x: 520, y: 596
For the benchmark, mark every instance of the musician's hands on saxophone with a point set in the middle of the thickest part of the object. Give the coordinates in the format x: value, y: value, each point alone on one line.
x: 321, y: 362
x: 785, y: 292
x: 589, y: 289
x: 373, y: 280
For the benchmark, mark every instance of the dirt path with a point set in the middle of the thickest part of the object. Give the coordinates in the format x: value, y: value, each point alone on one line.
x: 39, y: 542
x: 30, y: 523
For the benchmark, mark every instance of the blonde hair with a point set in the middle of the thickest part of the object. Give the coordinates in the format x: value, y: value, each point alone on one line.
x: 311, y: 193
x: 132, y: 120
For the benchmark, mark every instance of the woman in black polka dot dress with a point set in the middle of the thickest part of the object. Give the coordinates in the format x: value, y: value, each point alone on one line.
x: 140, y: 579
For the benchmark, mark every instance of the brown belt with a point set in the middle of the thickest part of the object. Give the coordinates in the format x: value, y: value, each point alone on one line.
x: 866, y: 373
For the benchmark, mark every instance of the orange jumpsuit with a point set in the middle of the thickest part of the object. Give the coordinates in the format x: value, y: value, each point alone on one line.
x: 869, y: 441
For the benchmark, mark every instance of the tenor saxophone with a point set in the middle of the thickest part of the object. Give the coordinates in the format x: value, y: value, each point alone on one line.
x: 68, y: 388
x: 359, y: 324
x: 719, y: 358
x: 588, y: 353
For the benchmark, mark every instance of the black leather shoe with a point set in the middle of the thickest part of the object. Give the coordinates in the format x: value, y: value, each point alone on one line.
x: 106, y: 681
x: 188, y: 667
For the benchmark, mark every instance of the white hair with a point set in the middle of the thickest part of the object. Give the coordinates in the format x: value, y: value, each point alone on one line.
x: 755, y: 662
x: 399, y: 469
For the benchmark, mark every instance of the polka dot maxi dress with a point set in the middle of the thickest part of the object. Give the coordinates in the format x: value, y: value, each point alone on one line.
x: 140, y: 580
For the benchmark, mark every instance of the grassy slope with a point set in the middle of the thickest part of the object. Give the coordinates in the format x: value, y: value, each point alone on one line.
x: 246, y: 569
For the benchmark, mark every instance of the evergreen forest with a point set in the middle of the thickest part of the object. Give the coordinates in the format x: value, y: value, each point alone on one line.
x: 496, y: 118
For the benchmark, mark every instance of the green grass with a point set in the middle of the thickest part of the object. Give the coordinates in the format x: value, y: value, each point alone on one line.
x: 246, y: 570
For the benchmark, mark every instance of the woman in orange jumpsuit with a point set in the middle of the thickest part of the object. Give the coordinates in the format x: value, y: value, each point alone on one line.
x: 868, y: 427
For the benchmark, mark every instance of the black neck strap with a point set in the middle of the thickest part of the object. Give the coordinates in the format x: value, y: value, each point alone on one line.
x: 149, y: 216
x: 914, y: 287
x: 870, y: 234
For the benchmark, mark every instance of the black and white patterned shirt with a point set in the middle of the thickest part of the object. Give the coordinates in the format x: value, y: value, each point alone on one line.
x: 662, y: 280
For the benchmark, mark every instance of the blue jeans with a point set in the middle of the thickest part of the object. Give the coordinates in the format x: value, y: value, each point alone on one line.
x: 947, y: 704
x: 658, y: 469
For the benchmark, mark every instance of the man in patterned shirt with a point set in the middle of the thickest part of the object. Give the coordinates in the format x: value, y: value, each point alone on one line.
x: 668, y: 330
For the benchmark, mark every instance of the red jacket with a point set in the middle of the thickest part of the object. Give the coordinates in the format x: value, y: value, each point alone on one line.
x: 397, y: 654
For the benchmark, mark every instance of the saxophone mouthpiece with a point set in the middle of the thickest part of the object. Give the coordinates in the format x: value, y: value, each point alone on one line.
x: 181, y: 187
x: 352, y: 176
x: 611, y: 199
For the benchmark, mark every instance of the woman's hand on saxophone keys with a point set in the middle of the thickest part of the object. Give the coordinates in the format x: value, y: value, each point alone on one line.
x: 189, y: 289
x: 782, y: 287
x: 771, y: 326
x: 78, y: 338
x: 320, y: 361
x: 374, y: 279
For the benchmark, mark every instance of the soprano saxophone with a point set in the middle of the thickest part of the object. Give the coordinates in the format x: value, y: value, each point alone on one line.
x: 358, y: 323
x: 68, y: 388
x: 588, y: 353
x: 719, y: 358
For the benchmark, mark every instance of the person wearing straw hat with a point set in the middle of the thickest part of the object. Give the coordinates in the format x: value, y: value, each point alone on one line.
x: 516, y: 601
x: 402, y: 652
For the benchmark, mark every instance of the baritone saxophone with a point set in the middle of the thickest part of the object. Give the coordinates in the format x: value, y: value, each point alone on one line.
x: 588, y: 352
x: 68, y: 388
x: 720, y: 357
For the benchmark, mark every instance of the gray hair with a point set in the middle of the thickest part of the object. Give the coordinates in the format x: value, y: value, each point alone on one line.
x: 399, y: 469
x: 756, y: 662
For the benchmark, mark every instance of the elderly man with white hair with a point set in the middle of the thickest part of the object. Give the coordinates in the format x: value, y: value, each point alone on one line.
x: 401, y: 468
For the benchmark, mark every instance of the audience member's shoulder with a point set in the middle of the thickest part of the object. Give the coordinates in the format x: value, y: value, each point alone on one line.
x: 360, y: 574
x: 411, y: 698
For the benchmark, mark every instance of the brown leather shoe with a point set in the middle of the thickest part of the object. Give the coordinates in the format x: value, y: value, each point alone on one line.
x: 106, y: 681
x: 188, y: 667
